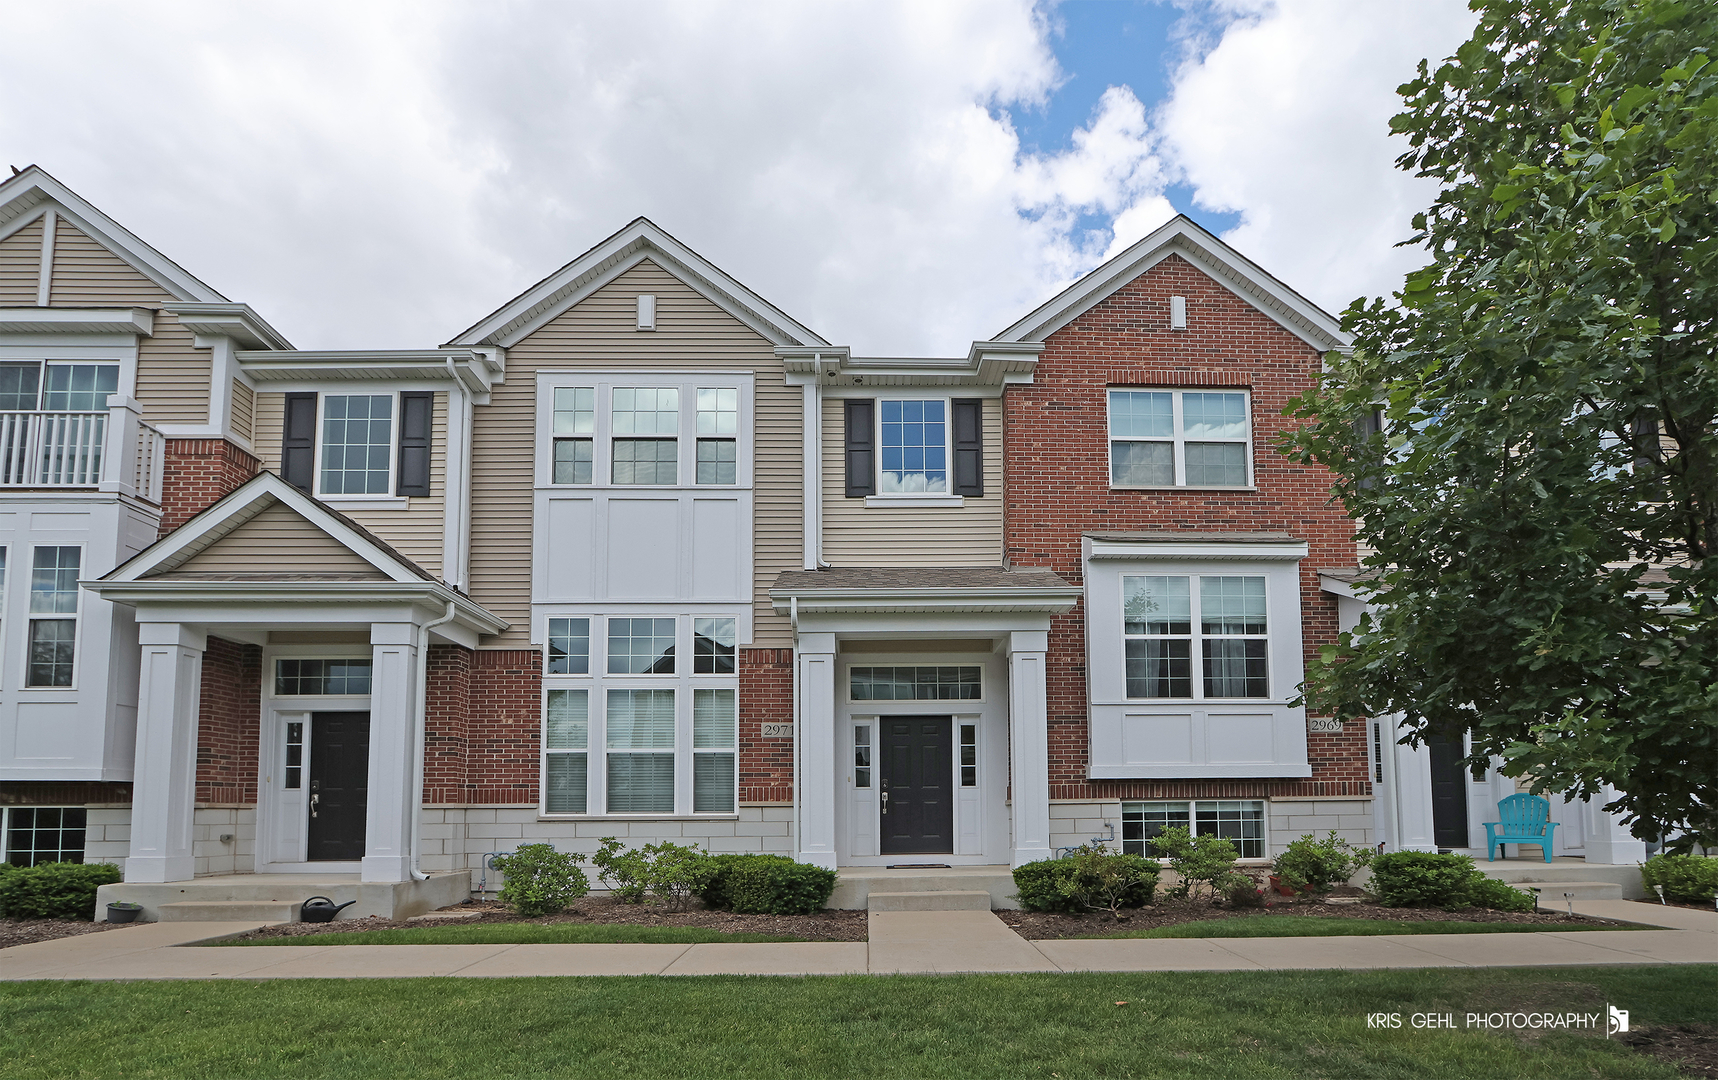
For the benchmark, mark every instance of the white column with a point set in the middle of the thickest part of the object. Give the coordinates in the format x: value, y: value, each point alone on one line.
x: 393, y: 714
x: 1608, y: 839
x: 814, y: 763
x: 1029, y: 744
x: 1413, y: 793
x: 164, y: 793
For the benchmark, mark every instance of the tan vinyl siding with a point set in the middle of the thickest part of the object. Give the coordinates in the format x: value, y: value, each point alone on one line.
x: 172, y: 374
x: 21, y: 266
x: 857, y: 535
x: 89, y: 275
x: 416, y: 531
x: 600, y: 333
x: 244, y: 405
x: 278, y: 540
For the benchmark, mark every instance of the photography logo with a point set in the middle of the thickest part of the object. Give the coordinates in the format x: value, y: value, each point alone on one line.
x: 1619, y: 1024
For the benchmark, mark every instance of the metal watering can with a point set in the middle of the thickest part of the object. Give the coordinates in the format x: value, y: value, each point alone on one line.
x: 321, y: 909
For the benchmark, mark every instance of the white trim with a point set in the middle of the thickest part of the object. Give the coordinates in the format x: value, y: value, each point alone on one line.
x: 45, y: 275
x: 75, y: 618
x: 356, y: 498
x: 909, y: 500
x: 65, y: 320
x: 1194, y: 550
x: 1181, y: 236
x: 1178, y: 438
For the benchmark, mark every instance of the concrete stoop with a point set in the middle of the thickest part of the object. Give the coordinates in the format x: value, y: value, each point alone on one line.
x: 1554, y: 894
x: 1588, y: 881
x: 277, y: 897
x: 857, y: 885
x: 929, y: 900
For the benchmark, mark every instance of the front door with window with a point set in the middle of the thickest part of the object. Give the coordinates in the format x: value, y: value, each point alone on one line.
x: 339, y: 785
x: 916, y: 800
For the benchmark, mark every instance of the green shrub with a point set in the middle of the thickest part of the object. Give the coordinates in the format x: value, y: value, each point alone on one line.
x: 1093, y: 878
x: 767, y: 885
x: 1313, y: 865
x: 1497, y: 895
x: 60, y: 890
x: 1421, y: 879
x: 627, y: 873
x: 1242, y: 890
x: 677, y: 873
x: 1197, y: 860
x: 1692, y: 879
x: 541, y: 880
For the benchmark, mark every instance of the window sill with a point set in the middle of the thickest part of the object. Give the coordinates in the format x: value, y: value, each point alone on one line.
x: 637, y: 817
x: 367, y: 502
x: 903, y: 502
x: 1181, y: 487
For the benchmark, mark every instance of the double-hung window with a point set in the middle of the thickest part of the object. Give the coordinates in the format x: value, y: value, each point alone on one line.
x: 632, y: 727
x: 575, y: 427
x: 53, y: 616
x: 1179, y: 438
x: 718, y: 431
x: 357, y: 444
x: 1162, y: 637
x: 646, y: 435
x: 610, y: 431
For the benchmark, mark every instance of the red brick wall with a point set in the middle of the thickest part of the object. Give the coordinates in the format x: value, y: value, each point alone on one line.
x: 197, y: 474
x: 1057, y: 487
x: 504, y: 727
x: 447, y: 724
x: 766, y: 697
x: 227, y: 723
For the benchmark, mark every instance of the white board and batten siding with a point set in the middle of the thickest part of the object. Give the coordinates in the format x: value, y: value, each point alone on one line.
x: 648, y: 554
x: 857, y: 534
x: 414, y: 530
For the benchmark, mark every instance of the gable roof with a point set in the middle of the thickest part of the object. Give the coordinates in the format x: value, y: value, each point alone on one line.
x: 249, y: 503
x: 1181, y: 236
x: 25, y: 196
x: 640, y: 240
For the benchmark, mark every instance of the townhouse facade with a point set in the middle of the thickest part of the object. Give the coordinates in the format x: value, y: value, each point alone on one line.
x: 639, y: 555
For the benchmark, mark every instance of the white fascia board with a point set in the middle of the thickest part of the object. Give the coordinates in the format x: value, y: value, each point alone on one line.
x: 1354, y: 590
x: 33, y: 181
x: 237, y: 321
x: 988, y: 363
x: 237, y: 599
x: 1181, y: 236
x: 910, y: 601
x: 1189, y: 551
x: 60, y: 320
x: 1197, y: 772
x: 625, y: 249
x: 468, y: 368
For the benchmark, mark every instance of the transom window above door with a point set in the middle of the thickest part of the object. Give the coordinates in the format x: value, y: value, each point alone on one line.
x: 57, y: 387
x: 616, y: 433
x: 1179, y: 438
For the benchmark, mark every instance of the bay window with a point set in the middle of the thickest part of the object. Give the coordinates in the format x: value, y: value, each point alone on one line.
x: 1179, y: 438
x: 1159, y: 632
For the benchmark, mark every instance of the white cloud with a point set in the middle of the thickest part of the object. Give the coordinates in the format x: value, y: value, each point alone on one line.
x: 384, y: 174
x: 1285, y: 120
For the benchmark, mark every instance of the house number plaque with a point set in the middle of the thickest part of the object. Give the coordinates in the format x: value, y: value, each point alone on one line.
x: 778, y: 731
x: 1323, y: 725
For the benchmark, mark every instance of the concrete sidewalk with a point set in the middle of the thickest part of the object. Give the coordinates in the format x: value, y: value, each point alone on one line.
x: 912, y: 942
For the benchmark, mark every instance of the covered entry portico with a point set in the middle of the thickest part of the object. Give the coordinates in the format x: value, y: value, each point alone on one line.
x: 344, y: 624
x: 921, y: 714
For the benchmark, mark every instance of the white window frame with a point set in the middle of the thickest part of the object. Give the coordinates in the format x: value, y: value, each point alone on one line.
x: 1193, y: 805
x: 1196, y: 637
x: 393, y: 448
x: 6, y: 825
x: 935, y: 498
x: 847, y: 684
x: 688, y: 383
x: 76, y: 619
x: 684, y: 681
x: 274, y: 665
x: 1178, y: 440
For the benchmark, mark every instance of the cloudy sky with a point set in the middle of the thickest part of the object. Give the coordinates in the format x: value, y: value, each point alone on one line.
x: 903, y: 178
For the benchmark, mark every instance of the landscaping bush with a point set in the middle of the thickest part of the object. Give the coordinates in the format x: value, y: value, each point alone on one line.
x: 1421, y: 879
x: 1197, y: 860
x: 1497, y: 895
x: 1313, y: 865
x: 1692, y: 879
x: 541, y: 880
x: 1243, y: 891
x: 626, y: 873
x: 1093, y: 878
x: 677, y: 873
x: 767, y: 885
x: 60, y: 890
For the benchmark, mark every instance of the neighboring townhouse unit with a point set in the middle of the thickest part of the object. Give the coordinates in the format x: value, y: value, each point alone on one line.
x: 639, y: 555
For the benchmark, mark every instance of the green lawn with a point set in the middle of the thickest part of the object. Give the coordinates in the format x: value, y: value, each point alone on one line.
x: 521, y: 934
x: 1204, y: 1024
x: 1314, y: 926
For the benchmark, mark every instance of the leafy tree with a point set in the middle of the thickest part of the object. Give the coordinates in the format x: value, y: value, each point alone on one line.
x: 1541, y: 497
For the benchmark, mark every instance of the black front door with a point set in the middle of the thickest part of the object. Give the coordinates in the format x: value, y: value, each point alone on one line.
x: 1449, y: 792
x: 339, y: 784
x: 917, y: 804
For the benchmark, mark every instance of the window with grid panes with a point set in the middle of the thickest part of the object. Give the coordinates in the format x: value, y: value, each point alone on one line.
x: 569, y: 647
x: 45, y: 834
x: 646, y: 426
x: 913, y: 436
x: 1161, y: 636
x: 641, y: 646
x: 357, y: 444
x: 575, y: 425
x: 1240, y: 821
x: 713, y: 646
x: 941, y: 683
x: 1179, y: 438
x: 718, y: 427
x: 53, y: 591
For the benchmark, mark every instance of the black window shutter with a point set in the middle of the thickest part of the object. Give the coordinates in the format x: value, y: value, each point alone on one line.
x: 968, y: 447
x: 861, y: 448
x: 298, y: 442
x: 415, y: 409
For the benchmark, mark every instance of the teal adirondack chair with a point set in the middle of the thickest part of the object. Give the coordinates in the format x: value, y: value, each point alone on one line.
x: 1526, y: 820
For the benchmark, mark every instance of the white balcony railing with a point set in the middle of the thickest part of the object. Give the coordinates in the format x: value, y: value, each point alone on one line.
x: 112, y: 450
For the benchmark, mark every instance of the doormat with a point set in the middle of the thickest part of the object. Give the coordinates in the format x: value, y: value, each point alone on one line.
x: 919, y: 866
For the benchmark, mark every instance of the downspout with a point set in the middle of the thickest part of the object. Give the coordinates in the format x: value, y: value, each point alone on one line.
x: 420, y: 726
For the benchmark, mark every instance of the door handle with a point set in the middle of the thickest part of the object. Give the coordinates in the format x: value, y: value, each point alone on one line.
x: 885, y: 802
x: 314, y: 799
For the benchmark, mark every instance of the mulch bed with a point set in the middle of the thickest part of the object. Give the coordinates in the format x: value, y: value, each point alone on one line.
x: 823, y: 926
x: 28, y: 931
x: 1692, y: 1048
x: 1168, y: 911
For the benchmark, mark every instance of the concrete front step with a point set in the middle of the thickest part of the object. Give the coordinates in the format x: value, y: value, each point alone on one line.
x: 926, y: 900
x: 1625, y: 876
x: 387, y: 899
x: 270, y: 911
x: 857, y: 883
x: 1554, y: 894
